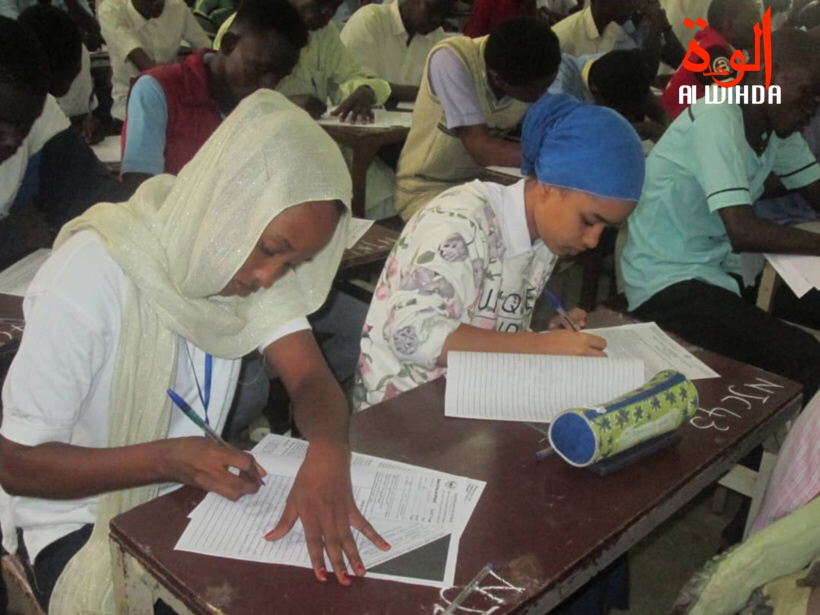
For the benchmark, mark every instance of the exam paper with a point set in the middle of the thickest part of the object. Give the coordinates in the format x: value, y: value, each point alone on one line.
x: 531, y: 387
x: 648, y: 343
x: 801, y: 273
x: 381, y: 119
x: 356, y: 229
x: 511, y: 171
x: 108, y: 150
x: 14, y: 280
x: 409, y: 506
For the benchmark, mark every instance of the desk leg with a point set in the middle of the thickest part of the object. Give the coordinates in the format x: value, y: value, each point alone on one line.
x: 363, y: 155
x: 135, y: 589
x: 131, y: 594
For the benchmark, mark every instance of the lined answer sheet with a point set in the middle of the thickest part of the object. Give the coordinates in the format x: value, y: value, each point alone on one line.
x: 381, y: 119
x: 648, y: 343
x: 409, y: 506
x: 530, y: 387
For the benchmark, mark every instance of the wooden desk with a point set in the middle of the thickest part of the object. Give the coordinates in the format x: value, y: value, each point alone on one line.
x: 369, y: 253
x: 11, y: 309
x: 365, y: 143
x: 549, y: 527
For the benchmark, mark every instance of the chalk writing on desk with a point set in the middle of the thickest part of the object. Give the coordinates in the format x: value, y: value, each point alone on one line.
x: 369, y: 246
x: 10, y: 329
x: 741, y: 398
x: 485, y: 600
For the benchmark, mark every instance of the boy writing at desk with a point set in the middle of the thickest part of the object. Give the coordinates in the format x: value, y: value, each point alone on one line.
x: 474, y: 92
x: 169, y: 291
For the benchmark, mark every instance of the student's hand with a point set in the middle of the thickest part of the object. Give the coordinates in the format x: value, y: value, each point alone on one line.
x: 576, y: 315
x: 91, y: 129
x: 198, y: 462
x: 322, y: 497
x: 315, y: 107
x: 356, y: 108
x: 570, y: 343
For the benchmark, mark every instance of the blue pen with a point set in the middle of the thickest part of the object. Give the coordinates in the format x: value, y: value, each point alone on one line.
x: 209, y: 432
x: 556, y: 304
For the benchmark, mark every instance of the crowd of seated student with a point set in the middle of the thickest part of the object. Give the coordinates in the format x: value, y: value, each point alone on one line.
x: 471, y: 261
x: 141, y: 34
x: 48, y: 174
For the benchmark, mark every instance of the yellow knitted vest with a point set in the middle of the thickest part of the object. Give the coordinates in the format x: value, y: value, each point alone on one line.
x: 433, y: 158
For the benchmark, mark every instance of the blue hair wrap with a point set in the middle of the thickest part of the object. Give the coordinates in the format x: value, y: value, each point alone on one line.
x: 579, y: 146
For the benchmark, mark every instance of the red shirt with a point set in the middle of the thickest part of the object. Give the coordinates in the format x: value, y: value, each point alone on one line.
x: 487, y: 15
x: 719, y: 52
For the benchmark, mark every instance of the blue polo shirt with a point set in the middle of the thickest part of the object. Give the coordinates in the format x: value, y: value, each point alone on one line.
x: 702, y: 164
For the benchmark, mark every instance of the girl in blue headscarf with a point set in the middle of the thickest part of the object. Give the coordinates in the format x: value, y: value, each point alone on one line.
x: 469, y: 266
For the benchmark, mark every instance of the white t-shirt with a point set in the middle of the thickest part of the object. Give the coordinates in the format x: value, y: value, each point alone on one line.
x: 124, y: 30
x: 579, y: 35
x: 376, y: 37
x: 58, y: 388
x: 51, y: 121
x: 80, y: 99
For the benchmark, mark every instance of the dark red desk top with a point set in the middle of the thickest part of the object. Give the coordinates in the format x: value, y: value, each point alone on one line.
x: 548, y: 527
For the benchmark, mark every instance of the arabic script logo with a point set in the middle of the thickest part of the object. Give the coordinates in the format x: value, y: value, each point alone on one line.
x: 698, y: 60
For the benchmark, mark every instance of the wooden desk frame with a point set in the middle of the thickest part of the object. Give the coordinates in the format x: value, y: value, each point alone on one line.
x: 365, y: 144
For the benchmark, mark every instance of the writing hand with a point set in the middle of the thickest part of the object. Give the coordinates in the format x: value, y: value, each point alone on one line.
x: 356, y: 108
x: 576, y: 315
x: 322, y: 497
x: 198, y: 462
x: 570, y: 343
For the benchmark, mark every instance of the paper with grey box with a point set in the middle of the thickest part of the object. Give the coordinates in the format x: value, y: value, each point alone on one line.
x: 409, y: 506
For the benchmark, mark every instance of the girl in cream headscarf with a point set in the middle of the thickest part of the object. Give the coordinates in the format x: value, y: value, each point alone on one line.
x: 170, y: 290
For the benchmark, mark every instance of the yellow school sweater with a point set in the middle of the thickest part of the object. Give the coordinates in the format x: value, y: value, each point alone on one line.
x: 434, y: 158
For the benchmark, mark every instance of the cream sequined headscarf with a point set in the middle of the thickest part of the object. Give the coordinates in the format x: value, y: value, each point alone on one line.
x: 180, y: 241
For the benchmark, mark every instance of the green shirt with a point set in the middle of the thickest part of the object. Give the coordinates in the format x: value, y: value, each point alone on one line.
x: 702, y: 164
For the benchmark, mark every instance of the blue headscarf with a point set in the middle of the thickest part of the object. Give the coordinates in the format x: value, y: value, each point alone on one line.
x: 583, y: 147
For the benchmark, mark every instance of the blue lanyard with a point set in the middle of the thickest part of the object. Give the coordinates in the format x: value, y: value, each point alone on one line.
x: 206, y: 397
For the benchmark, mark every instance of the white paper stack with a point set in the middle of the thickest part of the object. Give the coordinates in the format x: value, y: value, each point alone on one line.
x: 381, y: 119
x: 356, y: 229
x: 648, y: 343
x: 801, y: 273
x: 533, y: 387
x: 409, y: 506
